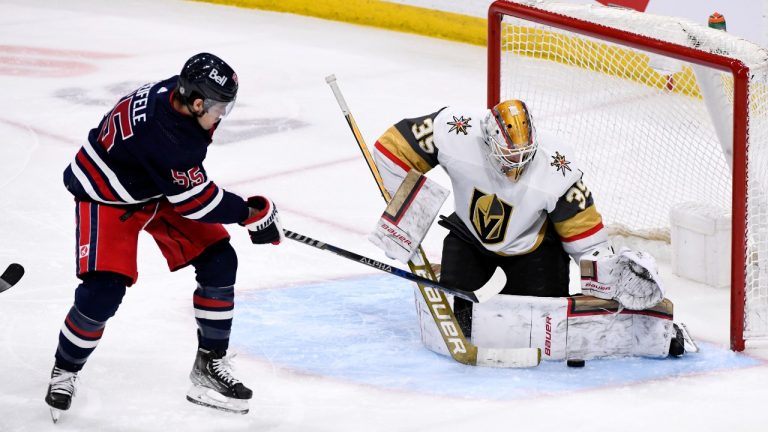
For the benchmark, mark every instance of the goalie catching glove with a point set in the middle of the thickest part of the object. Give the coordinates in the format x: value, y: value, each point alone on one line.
x: 263, y: 222
x: 629, y: 277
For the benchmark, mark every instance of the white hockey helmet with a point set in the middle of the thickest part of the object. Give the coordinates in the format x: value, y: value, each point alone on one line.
x: 509, y: 137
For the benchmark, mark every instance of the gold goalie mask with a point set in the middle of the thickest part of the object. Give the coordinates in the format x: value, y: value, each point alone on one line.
x: 509, y: 136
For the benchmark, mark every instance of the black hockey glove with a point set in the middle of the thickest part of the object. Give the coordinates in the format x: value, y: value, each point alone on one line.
x: 263, y: 224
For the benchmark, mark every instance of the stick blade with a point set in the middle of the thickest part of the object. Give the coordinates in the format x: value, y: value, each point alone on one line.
x: 508, y: 357
x: 494, y: 286
x: 11, y: 276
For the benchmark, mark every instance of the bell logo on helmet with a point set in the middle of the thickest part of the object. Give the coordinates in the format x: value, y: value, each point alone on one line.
x: 220, y: 79
x: 205, y: 76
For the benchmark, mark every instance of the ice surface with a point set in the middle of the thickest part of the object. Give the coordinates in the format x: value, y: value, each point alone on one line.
x: 358, y: 330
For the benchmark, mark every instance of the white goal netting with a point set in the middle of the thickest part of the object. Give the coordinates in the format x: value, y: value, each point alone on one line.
x: 650, y: 131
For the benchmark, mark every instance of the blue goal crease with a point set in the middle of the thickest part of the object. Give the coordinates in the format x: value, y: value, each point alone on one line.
x: 365, y: 330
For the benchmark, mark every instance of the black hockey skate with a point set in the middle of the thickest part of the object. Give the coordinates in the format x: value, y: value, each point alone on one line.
x: 677, y: 343
x: 214, y: 386
x: 61, y: 389
x: 689, y: 342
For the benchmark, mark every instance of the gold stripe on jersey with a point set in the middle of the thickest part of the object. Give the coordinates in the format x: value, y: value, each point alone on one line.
x: 394, y: 142
x: 536, y: 244
x: 580, y: 224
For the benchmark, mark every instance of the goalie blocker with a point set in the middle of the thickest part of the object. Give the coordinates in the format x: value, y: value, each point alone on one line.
x: 582, y: 327
x: 408, y: 216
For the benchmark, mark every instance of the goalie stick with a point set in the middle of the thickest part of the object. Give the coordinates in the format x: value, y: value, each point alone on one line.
x: 459, y: 348
x: 11, y: 276
x: 491, y: 288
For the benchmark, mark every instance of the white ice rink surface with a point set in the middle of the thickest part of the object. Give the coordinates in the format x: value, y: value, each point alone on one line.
x: 63, y: 64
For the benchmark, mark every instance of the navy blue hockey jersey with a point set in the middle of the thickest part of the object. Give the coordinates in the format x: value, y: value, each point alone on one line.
x: 145, y: 150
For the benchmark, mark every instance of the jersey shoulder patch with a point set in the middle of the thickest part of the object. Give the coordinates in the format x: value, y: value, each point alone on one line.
x: 554, y: 169
x: 458, y: 132
x: 455, y: 121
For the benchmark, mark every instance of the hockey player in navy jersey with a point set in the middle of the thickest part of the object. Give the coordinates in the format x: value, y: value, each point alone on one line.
x: 141, y: 169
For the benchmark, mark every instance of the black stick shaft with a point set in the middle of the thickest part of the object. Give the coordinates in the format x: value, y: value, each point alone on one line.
x: 370, y: 262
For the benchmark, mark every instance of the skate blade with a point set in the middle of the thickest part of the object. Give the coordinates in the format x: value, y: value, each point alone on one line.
x: 55, y: 414
x: 206, y: 397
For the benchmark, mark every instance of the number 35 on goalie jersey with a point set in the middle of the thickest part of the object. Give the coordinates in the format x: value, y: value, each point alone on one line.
x: 550, y: 190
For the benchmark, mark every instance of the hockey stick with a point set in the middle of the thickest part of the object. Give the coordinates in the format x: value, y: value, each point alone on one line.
x: 491, y: 288
x: 11, y: 276
x: 460, y: 349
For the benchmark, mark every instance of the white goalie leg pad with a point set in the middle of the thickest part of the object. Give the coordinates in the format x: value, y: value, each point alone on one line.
x: 431, y: 336
x: 630, y: 277
x: 581, y: 327
x: 507, y: 321
x: 601, y: 328
x: 408, y: 216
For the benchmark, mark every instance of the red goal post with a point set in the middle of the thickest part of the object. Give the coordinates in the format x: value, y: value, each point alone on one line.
x: 594, y: 72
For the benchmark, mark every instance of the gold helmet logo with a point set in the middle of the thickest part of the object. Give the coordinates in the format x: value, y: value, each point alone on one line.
x: 490, y: 216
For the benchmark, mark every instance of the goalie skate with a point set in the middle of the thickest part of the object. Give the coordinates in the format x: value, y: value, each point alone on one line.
x: 682, y: 342
x: 689, y: 343
x: 214, y: 386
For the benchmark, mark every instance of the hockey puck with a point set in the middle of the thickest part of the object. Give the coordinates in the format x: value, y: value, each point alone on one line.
x: 575, y: 363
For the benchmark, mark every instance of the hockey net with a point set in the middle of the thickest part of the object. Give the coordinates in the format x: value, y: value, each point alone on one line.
x: 660, y: 111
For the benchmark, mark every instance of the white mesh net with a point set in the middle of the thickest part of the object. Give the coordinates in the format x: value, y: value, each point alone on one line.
x: 646, y: 130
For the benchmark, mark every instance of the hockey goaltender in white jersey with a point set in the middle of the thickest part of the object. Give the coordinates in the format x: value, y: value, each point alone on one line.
x: 521, y: 204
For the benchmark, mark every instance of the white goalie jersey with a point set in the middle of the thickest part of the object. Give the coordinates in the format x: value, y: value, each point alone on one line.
x: 505, y: 217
